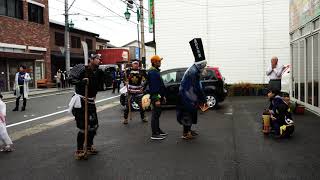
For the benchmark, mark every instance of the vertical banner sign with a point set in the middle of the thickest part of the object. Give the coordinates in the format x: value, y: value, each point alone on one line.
x: 197, y: 49
x: 151, y: 15
x: 85, y: 52
x: 137, y: 52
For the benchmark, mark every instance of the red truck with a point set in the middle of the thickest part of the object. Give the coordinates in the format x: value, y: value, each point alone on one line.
x: 114, y: 55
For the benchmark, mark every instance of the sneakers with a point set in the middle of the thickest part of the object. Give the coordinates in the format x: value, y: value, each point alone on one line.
x: 125, y: 121
x: 187, y: 136
x: 15, y: 109
x: 23, y: 108
x: 92, y: 151
x: 163, y: 133
x: 157, y: 137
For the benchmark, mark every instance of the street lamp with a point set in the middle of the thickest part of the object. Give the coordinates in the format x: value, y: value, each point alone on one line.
x: 71, y: 25
x: 127, y: 14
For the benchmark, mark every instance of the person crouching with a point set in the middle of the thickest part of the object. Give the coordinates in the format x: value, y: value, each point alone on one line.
x: 281, y: 118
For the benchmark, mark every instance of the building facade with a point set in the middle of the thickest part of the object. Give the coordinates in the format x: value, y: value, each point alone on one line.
x: 101, y: 43
x: 24, y: 40
x: 76, y: 51
x: 304, y: 41
x: 239, y: 37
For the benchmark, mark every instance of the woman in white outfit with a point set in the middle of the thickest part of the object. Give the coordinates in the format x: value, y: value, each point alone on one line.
x: 4, y: 137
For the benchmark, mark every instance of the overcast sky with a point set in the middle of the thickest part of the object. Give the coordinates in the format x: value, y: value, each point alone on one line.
x: 95, y: 16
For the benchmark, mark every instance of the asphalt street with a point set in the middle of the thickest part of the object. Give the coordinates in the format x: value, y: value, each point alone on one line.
x: 44, y: 108
x: 230, y: 146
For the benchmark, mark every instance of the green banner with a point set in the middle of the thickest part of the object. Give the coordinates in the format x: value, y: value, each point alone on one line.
x: 151, y: 15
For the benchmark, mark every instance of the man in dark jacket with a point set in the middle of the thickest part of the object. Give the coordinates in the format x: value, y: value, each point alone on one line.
x: 157, y: 95
x: 80, y: 76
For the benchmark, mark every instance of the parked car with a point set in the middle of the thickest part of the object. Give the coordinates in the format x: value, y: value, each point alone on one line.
x: 105, y: 72
x: 212, y: 82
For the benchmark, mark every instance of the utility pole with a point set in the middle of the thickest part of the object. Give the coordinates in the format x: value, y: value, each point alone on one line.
x: 143, y: 50
x: 66, y: 37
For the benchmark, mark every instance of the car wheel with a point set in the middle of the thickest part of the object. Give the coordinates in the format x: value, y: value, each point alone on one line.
x: 212, y: 101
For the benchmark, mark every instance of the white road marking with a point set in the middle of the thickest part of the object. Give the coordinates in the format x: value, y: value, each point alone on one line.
x: 228, y: 113
x: 52, y: 114
x: 25, y: 116
x: 45, y: 126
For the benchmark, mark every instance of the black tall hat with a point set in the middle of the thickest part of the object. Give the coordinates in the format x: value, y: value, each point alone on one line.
x: 197, y: 49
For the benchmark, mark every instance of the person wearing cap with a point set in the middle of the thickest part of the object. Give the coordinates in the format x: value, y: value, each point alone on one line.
x: 135, y: 78
x: 21, y: 87
x: 80, y: 76
x: 191, y: 94
x: 157, y: 96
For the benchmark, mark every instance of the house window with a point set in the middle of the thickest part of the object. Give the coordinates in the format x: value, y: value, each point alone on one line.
x: 100, y: 47
x: 11, y: 8
x: 75, y: 42
x: 59, y: 39
x: 89, y: 42
x: 35, y: 13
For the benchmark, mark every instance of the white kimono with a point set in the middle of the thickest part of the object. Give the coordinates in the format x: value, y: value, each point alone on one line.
x: 27, y: 78
x: 4, y: 137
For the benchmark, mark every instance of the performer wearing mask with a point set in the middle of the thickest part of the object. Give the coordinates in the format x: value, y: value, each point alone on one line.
x: 191, y: 94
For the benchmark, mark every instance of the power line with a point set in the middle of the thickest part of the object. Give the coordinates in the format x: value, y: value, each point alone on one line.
x: 109, y: 9
x: 99, y: 16
x: 137, y: 5
x: 122, y: 17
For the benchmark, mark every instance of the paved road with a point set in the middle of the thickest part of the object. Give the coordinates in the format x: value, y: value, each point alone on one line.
x: 52, y: 106
x: 230, y: 146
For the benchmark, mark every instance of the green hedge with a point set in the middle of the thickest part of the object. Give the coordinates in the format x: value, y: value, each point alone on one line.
x: 247, y: 89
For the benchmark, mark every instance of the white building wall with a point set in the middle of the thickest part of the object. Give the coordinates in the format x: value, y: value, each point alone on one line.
x: 239, y: 36
x: 276, y: 36
x: 177, y: 23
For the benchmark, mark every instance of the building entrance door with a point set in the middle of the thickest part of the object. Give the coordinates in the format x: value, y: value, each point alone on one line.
x: 3, y: 76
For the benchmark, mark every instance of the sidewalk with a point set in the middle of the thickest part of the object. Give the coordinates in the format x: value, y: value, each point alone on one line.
x: 230, y: 146
x: 34, y: 92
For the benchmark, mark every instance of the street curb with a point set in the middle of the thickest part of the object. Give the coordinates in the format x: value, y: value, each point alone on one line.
x: 41, y: 92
